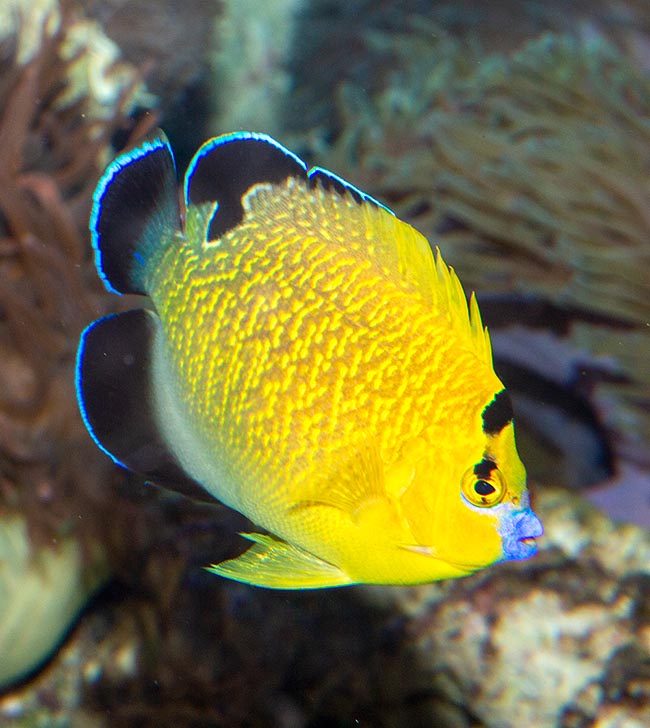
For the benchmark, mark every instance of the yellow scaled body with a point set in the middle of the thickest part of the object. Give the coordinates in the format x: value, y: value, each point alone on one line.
x: 316, y: 368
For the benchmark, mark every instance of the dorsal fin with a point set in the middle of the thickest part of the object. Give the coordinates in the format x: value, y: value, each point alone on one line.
x: 464, y: 316
x: 135, y: 206
x: 227, y: 168
x: 399, y: 247
x: 319, y: 177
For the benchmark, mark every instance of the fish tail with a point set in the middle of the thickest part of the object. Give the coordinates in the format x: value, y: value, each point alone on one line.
x: 135, y: 210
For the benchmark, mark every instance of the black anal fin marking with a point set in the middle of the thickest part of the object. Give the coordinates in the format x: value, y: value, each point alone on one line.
x: 114, y: 392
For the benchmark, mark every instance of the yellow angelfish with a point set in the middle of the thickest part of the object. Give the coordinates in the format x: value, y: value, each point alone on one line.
x: 309, y: 362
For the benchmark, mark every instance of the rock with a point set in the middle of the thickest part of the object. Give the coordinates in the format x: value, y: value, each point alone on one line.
x: 562, y: 640
x: 42, y: 591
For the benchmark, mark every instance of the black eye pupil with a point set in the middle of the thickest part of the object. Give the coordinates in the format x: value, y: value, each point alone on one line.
x: 482, y: 487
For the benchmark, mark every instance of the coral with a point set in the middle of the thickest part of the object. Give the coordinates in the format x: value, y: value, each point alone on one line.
x: 51, y: 155
x: 24, y: 23
x: 544, y: 155
x: 95, y: 73
x: 335, y: 43
x: 172, y: 42
x: 55, y: 134
x: 252, y: 82
x: 539, y: 155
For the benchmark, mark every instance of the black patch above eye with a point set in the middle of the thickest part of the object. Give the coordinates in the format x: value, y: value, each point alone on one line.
x: 482, y: 487
x: 484, y: 468
x: 497, y: 414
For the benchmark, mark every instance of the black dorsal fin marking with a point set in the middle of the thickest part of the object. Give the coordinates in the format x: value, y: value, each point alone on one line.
x: 225, y: 168
x: 134, y: 205
x: 113, y: 366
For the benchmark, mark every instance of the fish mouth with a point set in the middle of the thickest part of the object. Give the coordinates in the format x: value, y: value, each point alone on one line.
x: 519, y: 535
x: 527, y: 547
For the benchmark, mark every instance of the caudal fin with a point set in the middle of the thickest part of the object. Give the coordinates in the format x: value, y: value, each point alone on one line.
x: 135, y: 207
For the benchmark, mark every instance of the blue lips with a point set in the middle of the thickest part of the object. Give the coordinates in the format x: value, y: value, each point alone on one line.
x: 518, y: 530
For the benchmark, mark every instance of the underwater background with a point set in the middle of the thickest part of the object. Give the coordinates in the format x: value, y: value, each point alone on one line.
x: 516, y: 136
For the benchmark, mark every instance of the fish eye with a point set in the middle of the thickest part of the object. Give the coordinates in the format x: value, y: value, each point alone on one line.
x: 484, y: 492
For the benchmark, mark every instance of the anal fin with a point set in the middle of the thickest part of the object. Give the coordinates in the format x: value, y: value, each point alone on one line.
x: 115, y: 398
x: 276, y: 564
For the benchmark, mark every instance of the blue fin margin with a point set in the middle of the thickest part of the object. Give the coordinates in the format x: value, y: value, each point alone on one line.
x: 135, y: 204
x: 115, y: 398
x: 226, y: 167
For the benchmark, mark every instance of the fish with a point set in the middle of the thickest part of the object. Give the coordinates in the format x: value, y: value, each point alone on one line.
x: 305, y: 357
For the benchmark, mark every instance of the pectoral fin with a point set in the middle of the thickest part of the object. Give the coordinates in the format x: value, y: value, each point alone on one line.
x: 276, y: 564
x: 350, y: 485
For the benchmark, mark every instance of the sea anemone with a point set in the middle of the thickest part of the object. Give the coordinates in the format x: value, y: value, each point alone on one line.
x: 530, y: 169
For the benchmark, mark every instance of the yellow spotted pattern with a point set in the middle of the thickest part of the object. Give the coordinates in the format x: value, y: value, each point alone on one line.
x: 291, y: 339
